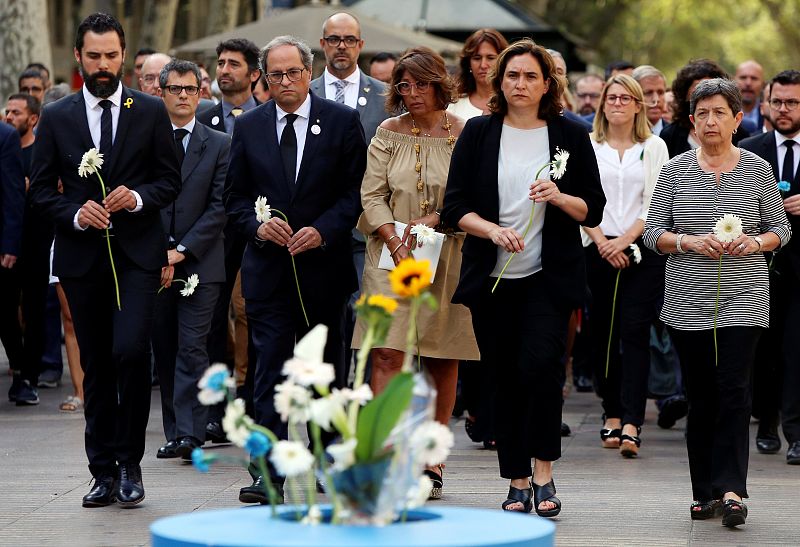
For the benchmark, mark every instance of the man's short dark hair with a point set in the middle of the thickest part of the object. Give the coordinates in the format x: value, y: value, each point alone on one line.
x: 31, y: 73
x: 382, y: 57
x: 31, y: 102
x: 786, y: 77
x: 99, y: 23
x: 181, y: 67
x: 43, y: 70
x: 619, y: 66
x: 145, y: 51
x: 243, y: 46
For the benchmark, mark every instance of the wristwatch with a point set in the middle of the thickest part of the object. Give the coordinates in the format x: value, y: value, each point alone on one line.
x: 760, y: 242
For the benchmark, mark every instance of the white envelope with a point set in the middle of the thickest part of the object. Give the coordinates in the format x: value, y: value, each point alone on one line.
x: 429, y: 252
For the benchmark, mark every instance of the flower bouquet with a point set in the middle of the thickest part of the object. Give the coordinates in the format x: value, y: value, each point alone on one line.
x: 373, y: 472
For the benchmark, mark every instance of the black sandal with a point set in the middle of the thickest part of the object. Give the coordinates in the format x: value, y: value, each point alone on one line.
x: 630, y: 449
x: 607, y: 436
x: 734, y: 513
x: 437, y: 481
x: 519, y: 495
x: 546, y: 492
x: 704, y: 510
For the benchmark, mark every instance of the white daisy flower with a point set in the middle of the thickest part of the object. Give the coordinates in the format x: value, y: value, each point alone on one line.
x: 728, y: 228
x: 263, y: 212
x: 309, y: 373
x: 324, y: 410
x: 418, y: 494
x: 236, y: 423
x: 190, y: 285
x: 425, y: 234
x: 431, y: 443
x: 361, y: 395
x: 559, y: 164
x: 636, y: 252
x: 292, y: 402
x: 91, y: 162
x: 343, y: 454
x: 290, y: 458
x: 214, y: 384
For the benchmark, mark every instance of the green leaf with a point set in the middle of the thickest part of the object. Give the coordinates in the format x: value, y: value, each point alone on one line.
x: 377, y: 419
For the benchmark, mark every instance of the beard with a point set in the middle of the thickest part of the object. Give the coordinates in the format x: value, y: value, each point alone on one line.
x: 99, y: 88
x: 793, y: 127
x: 23, y: 128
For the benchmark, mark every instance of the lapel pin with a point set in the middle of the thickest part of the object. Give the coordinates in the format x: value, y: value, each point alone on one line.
x: 215, y: 120
x: 362, y: 101
x: 315, y: 129
x: 366, y: 89
x: 128, y: 102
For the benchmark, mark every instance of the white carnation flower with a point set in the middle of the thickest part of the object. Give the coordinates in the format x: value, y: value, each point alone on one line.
x: 431, y: 443
x: 343, y: 454
x: 728, y: 228
x: 290, y: 458
x: 91, y: 162
x: 292, y: 402
x: 263, y: 211
x: 236, y: 423
x: 425, y: 234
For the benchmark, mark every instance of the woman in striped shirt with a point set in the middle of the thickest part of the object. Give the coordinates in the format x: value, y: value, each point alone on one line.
x: 716, y: 343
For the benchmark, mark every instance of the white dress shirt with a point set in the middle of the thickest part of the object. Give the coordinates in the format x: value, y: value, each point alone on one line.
x: 188, y: 127
x: 779, y: 140
x: 94, y: 112
x: 300, y: 127
x: 350, y: 92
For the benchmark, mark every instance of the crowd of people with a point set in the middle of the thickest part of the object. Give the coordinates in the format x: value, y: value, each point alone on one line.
x: 616, y: 234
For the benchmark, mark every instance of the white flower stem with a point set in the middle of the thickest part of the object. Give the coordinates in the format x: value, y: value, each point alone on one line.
x: 411, y: 334
x: 294, y: 268
x: 162, y: 287
x: 361, y: 366
x: 323, y: 465
x: 108, y: 242
x: 716, y: 310
x: 527, y: 228
x: 611, y: 327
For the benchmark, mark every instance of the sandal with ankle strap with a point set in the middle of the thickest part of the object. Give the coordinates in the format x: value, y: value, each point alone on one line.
x: 546, y: 492
x: 437, y: 481
x: 629, y: 444
x: 734, y: 513
x: 704, y: 510
x: 610, y: 437
x: 519, y: 495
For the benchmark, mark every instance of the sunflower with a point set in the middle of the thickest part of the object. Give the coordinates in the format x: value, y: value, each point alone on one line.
x: 410, y: 277
x: 386, y: 303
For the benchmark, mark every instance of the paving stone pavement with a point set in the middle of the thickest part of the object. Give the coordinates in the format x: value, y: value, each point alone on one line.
x: 607, y: 500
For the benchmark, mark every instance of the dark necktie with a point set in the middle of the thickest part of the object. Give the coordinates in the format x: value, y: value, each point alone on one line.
x: 289, y: 148
x: 106, y: 135
x: 179, y: 150
x: 787, y: 173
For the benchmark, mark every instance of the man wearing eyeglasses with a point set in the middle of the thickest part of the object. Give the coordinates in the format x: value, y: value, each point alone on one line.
x: 193, y: 224
x: 151, y: 69
x: 306, y: 156
x: 33, y: 83
x: 588, y: 89
x: 778, y: 353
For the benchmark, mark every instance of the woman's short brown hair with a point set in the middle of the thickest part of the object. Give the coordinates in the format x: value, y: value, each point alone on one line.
x: 466, y: 80
x: 550, y: 105
x: 424, y: 65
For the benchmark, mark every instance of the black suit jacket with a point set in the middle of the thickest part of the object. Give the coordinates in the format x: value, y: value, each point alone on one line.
x: 472, y: 188
x: 676, y: 136
x: 199, y: 212
x: 764, y: 146
x: 143, y: 159
x: 12, y: 191
x: 325, y: 196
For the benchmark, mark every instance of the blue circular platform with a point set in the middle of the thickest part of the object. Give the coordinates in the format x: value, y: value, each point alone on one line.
x: 434, y: 527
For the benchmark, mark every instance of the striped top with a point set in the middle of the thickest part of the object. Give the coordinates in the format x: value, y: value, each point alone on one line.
x: 687, y: 200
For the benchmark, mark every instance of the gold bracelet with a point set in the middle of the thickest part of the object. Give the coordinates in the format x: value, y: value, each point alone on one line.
x: 395, y: 236
x: 395, y: 249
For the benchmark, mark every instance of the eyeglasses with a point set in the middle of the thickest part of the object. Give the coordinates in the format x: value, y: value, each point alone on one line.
x: 404, y: 88
x: 189, y: 89
x: 293, y: 74
x: 149, y: 79
x: 790, y: 104
x: 588, y: 95
x: 349, y: 41
x: 624, y: 100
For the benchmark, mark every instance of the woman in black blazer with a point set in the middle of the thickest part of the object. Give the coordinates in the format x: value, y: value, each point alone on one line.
x: 521, y: 327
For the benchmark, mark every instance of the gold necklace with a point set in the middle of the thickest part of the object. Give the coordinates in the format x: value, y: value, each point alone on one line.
x: 415, y: 131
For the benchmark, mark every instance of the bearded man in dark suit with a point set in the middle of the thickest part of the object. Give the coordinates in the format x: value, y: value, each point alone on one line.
x: 140, y: 169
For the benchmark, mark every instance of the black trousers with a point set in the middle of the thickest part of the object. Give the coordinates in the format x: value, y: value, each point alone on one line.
x: 115, y: 357
x: 790, y: 406
x: 639, y: 298
x: 521, y: 331
x: 275, y: 325
x: 769, y: 364
x: 717, y: 428
x: 180, y: 336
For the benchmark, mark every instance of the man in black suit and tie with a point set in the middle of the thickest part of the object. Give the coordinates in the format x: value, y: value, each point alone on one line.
x: 194, y: 224
x: 140, y: 169
x: 307, y: 156
x: 778, y: 351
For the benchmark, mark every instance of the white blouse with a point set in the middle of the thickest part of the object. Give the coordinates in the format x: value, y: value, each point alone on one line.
x: 464, y: 109
x: 628, y: 183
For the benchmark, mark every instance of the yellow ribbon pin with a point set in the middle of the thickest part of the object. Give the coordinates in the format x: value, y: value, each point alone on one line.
x: 128, y: 102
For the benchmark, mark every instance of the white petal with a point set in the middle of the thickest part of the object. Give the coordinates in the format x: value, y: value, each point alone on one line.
x: 312, y: 346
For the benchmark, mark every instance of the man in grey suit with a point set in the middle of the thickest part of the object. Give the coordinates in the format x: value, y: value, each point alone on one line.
x: 345, y: 83
x: 194, y: 224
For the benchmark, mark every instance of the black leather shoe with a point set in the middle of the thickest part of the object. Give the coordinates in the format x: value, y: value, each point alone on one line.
x: 793, y: 454
x: 215, y: 433
x: 130, y: 490
x: 185, y: 447
x: 768, y: 443
x: 103, y: 492
x: 582, y: 384
x: 255, y: 493
x: 168, y: 450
